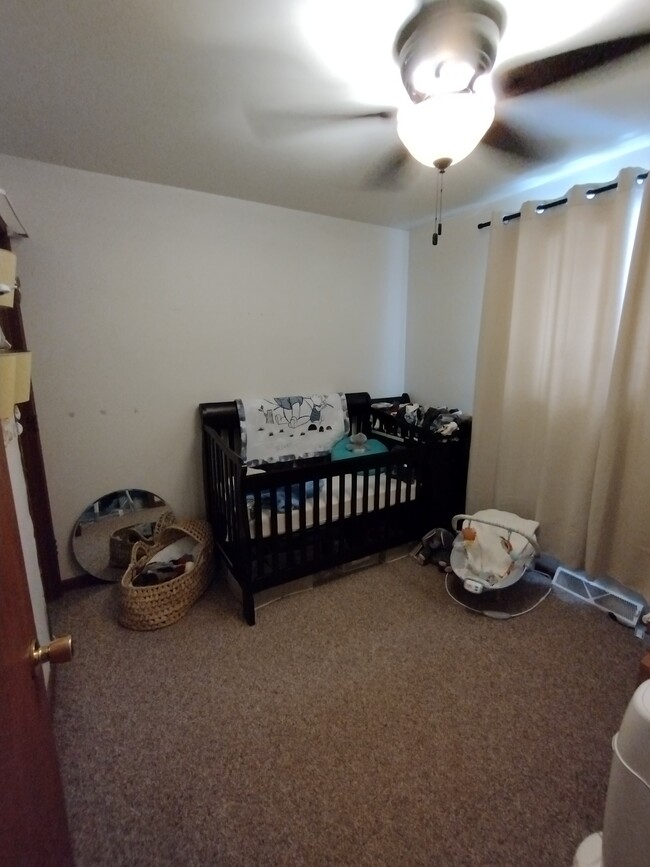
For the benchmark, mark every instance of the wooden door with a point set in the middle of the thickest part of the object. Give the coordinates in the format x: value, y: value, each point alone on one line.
x: 33, y: 823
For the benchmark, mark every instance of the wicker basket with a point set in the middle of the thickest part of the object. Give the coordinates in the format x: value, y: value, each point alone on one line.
x: 122, y: 541
x: 161, y: 605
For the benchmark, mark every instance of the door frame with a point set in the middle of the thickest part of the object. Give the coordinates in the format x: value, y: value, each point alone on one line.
x: 11, y: 322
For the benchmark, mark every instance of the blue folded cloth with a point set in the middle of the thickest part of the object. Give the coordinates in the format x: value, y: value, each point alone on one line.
x: 281, y: 503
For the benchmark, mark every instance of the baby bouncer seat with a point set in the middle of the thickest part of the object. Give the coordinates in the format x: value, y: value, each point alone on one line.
x: 492, y: 549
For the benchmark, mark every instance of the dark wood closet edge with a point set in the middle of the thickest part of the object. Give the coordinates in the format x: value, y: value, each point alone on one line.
x: 31, y: 452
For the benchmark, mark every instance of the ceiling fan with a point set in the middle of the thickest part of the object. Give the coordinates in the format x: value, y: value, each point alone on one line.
x: 446, y: 52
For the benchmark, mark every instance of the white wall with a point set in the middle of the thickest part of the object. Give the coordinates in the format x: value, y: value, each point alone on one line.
x: 446, y: 286
x: 444, y: 309
x: 142, y: 301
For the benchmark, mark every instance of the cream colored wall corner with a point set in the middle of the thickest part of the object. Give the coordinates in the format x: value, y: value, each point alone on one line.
x: 444, y: 309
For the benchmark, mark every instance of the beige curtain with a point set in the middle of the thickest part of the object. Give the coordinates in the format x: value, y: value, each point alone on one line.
x: 551, y: 312
x: 618, y: 538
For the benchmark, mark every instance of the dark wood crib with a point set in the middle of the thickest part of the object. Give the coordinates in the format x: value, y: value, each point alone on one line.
x: 302, y: 517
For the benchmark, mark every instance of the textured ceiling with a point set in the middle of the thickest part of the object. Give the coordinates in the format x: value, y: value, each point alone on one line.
x: 220, y: 96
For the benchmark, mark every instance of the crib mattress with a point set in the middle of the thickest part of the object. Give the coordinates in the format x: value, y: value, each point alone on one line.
x: 400, y: 491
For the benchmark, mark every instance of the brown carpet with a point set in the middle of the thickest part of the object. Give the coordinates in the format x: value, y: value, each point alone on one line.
x: 369, y: 721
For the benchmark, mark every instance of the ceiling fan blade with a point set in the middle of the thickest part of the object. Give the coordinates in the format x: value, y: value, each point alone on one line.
x: 503, y: 137
x: 547, y: 71
x: 276, y: 124
x: 390, y: 171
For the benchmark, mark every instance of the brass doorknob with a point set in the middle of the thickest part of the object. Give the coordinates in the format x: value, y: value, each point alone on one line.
x: 58, y: 650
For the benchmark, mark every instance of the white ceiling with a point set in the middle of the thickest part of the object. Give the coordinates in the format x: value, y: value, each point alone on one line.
x: 214, y: 95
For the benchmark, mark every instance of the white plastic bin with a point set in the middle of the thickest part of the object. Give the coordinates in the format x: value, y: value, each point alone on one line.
x: 625, y: 839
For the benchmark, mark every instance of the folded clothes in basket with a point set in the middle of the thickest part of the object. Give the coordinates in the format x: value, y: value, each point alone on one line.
x: 172, y: 561
x: 157, y: 572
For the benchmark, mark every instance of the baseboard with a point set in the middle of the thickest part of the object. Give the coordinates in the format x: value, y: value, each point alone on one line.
x: 80, y: 581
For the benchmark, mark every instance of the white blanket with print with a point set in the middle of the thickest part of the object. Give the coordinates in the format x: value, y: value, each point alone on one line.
x: 289, y: 428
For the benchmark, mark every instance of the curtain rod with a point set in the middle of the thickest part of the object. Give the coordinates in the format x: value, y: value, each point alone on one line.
x: 548, y: 205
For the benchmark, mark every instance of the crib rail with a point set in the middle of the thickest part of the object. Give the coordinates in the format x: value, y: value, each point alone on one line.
x: 306, y: 520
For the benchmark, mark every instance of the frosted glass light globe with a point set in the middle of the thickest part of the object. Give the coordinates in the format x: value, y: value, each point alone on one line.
x: 447, y: 126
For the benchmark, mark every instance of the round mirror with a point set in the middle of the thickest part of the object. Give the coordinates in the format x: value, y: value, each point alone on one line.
x: 107, y: 530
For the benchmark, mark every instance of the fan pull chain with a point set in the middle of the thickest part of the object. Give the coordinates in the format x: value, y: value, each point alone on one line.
x: 437, y: 214
x: 442, y: 165
x: 438, y: 231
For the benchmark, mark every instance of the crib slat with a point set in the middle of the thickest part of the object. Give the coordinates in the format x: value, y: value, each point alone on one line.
x: 388, y: 487
x: 341, y: 503
x: 288, y: 527
x: 378, y: 473
x: 364, y: 492
x: 273, y: 519
x: 316, y: 524
x: 302, y: 517
x: 328, y: 501
x: 259, y: 533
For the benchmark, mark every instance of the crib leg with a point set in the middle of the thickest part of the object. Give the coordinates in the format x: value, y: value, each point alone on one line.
x: 248, y: 601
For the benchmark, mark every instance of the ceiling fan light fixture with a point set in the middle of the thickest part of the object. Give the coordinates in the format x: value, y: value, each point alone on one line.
x: 447, y: 126
x: 463, y: 32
